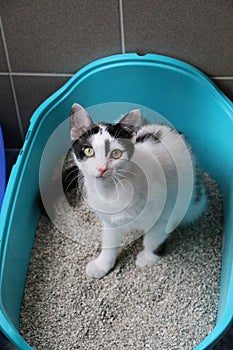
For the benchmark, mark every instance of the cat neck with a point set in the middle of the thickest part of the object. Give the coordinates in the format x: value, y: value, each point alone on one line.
x: 103, y: 186
x: 108, y: 195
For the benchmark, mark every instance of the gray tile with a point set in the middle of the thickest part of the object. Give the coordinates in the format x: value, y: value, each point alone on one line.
x: 59, y: 36
x: 3, y: 65
x: 8, y: 118
x: 226, y: 86
x: 196, y: 31
x: 32, y: 91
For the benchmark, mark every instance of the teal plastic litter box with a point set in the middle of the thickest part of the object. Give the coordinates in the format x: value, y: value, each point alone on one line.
x: 175, y: 90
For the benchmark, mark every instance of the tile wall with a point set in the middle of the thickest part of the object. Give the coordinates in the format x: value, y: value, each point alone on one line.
x: 42, y: 43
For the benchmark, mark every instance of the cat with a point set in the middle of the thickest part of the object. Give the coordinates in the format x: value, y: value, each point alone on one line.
x: 135, y: 175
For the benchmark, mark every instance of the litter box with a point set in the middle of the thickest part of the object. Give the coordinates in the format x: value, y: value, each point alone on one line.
x: 172, y: 88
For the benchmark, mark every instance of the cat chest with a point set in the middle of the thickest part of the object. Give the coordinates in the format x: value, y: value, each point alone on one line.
x: 114, y: 199
x: 121, y: 205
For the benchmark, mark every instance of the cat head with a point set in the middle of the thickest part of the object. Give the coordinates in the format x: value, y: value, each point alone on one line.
x: 102, y: 150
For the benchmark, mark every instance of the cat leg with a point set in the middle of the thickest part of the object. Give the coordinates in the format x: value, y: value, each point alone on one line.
x: 151, y: 241
x: 111, y: 241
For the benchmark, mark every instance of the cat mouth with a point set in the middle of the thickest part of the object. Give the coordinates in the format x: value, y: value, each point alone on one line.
x: 104, y: 175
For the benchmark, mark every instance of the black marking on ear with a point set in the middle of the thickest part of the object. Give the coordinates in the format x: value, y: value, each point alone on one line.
x: 107, y: 147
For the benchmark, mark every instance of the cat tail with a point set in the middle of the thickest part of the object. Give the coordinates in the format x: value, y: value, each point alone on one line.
x: 197, y: 205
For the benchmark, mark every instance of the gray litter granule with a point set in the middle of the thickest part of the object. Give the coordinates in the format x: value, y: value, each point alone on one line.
x: 172, y: 305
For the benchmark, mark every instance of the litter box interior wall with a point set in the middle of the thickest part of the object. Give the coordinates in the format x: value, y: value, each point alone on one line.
x: 43, y: 43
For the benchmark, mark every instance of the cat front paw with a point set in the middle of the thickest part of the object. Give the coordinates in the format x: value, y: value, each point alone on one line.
x: 93, y: 270
x: 145, y: 258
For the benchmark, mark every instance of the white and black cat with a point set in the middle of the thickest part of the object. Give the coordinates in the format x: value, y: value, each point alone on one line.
x: 135, y: 176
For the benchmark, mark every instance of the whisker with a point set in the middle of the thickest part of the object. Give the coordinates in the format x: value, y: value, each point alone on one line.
x: 125, y: 172
x: 70, y: 183
x: 77, y: 177
x: 115, y: 182
x: 116, y: 134
x: 120, y: 176
x: 71, y: 172
x: 121, y: 182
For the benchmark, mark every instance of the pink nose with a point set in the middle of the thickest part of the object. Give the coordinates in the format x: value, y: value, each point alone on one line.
x: 102, y: 170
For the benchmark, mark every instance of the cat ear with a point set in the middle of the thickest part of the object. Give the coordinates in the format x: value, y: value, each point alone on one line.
x: 80, y: 121
x: 133, y: 119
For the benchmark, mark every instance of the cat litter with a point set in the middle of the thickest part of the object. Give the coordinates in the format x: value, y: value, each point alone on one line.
x: 191, y: 285
x: 172, y: 305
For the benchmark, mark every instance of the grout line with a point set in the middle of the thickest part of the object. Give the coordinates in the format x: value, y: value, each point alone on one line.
x: 32, y: 74
x: 69, y: 75
x: 12, y: 81
x: 122, y: 26
x: 222, y: 78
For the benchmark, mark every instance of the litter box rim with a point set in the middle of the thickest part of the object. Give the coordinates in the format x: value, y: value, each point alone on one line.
x: 43, y: 109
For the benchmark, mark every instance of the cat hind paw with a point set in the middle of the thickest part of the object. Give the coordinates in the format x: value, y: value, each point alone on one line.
x: 146, y: 259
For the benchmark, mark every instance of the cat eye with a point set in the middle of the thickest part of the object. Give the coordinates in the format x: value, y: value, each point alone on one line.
x: 116, y: 153
x: 89, y: 152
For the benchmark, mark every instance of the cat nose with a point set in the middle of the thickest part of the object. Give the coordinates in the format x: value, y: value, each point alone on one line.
x: 102, y: 170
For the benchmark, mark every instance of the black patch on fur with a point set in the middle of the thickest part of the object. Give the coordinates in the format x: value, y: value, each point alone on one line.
x: 199, y: 184
x: 123, y: 133
x: 119, y: 130
x: 177, y: 131
x: 161, y: 249
x: 149, y: 137
x: 84, y: 141
x: 128, y: 146
x: 69, y: 178
x: 107, y: 147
